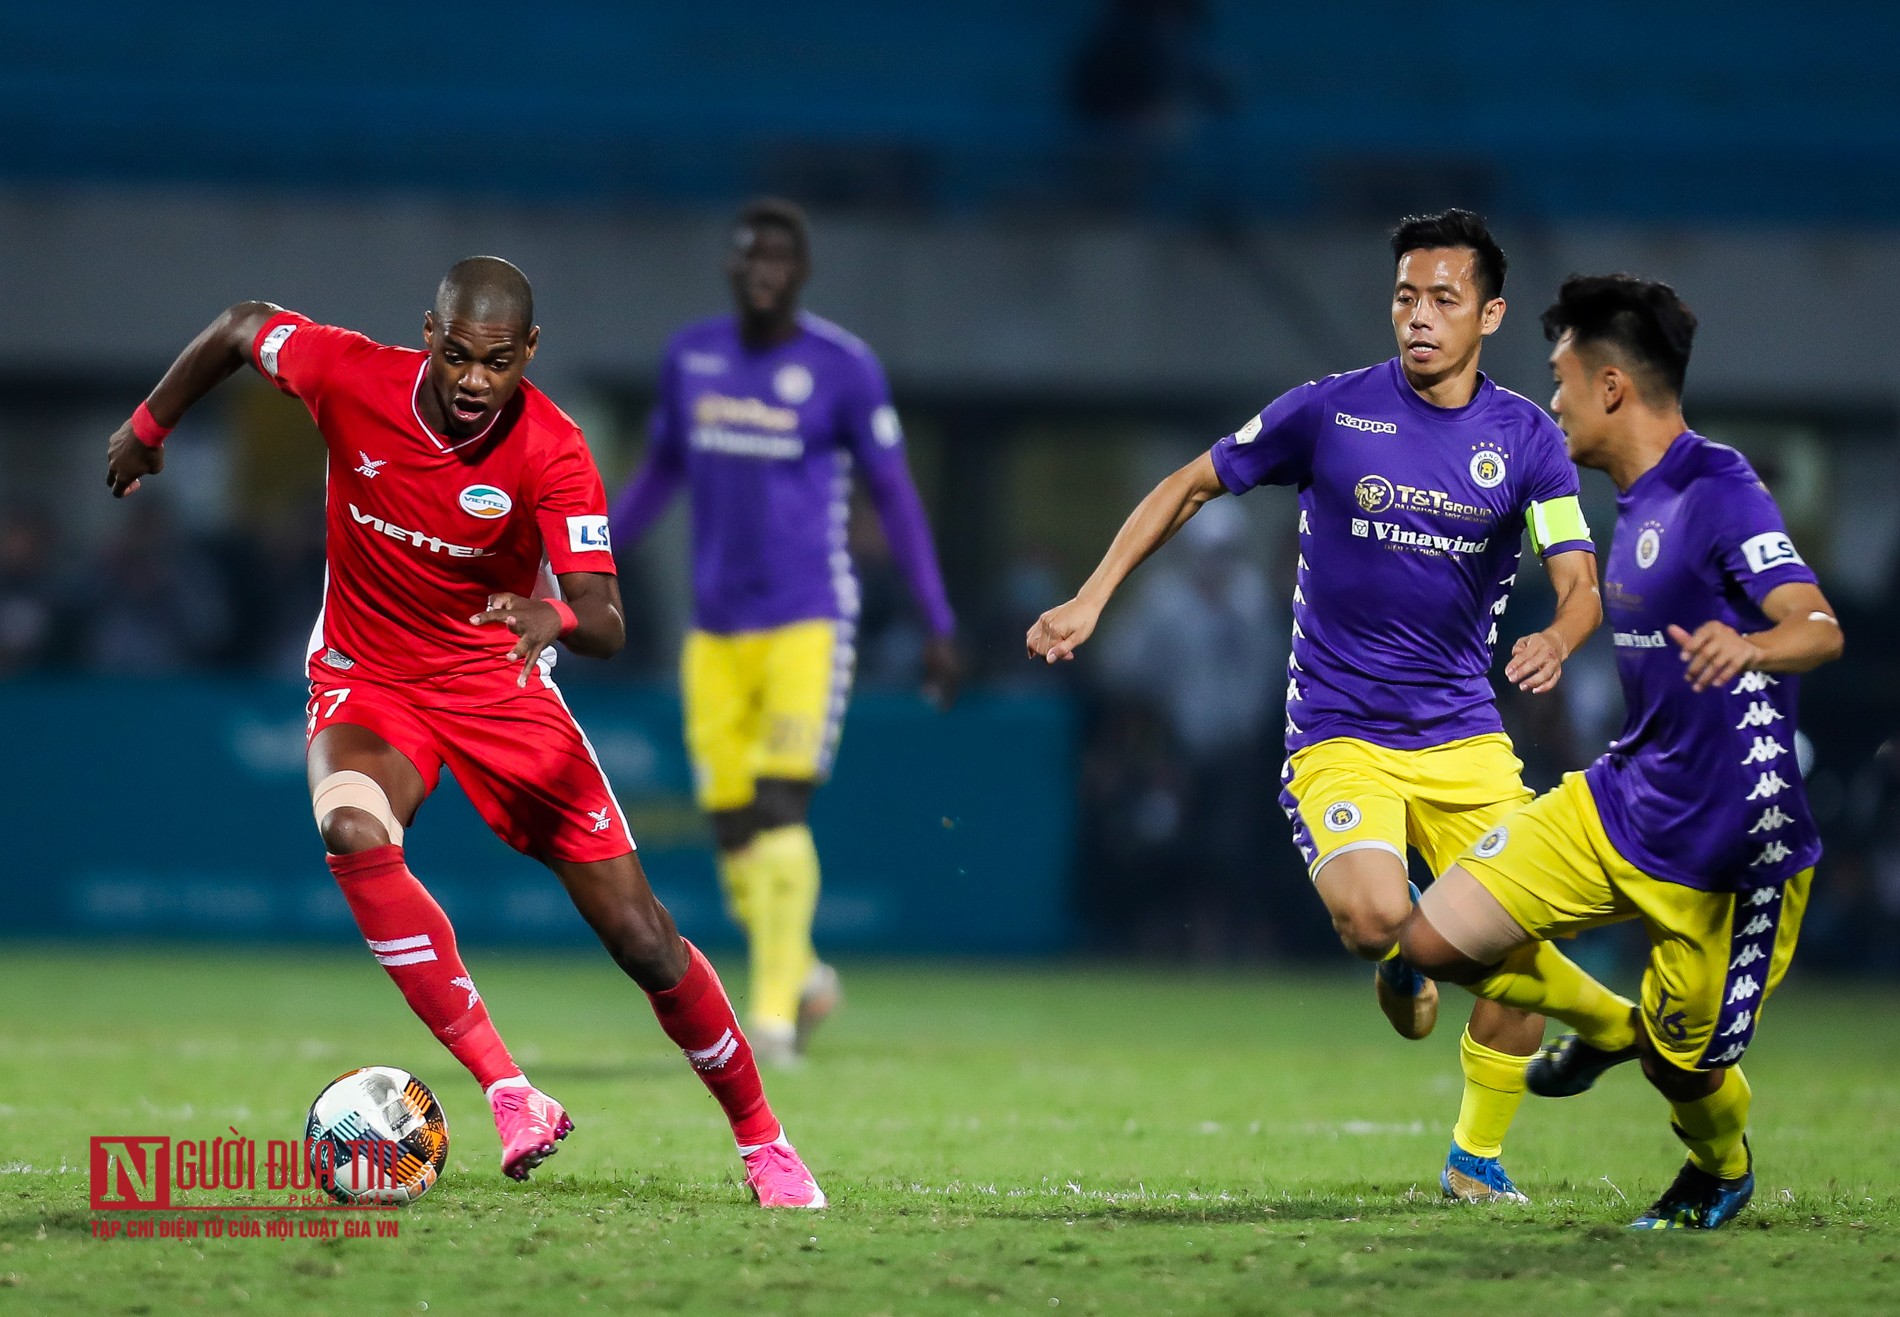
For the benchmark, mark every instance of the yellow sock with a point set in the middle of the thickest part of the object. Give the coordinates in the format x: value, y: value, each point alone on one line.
x: 1494, y: 1085
x: 736, y: 873
x: 784, y: 897
x: 1713, y: 1126
x: 1539, y: 978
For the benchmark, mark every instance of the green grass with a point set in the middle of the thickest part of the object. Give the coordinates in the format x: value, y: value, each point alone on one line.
x: 992, y: 1138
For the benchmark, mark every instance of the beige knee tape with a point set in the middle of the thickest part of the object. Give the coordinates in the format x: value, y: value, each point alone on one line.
x: 355, y: 791
x: 1470, y: 918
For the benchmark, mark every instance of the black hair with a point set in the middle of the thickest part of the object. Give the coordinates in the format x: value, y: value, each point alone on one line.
x: 486, y: 289
x: 1642, y: 321
x: 787, y: 215
x: 1455, y: 228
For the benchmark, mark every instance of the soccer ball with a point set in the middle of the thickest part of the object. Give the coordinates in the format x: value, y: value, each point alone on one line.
x: 376, y: 1135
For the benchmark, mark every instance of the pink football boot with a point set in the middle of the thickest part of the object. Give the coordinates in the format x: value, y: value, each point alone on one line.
x: 530, y: 1124
x: 778, y: 1177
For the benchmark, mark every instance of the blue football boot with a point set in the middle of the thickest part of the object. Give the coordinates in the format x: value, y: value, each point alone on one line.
x: 1700, y: 1201
x: 1470, y: 1178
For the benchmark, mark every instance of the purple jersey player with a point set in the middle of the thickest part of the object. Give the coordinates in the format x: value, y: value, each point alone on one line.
x: 767, y: 415
x: 1417, y: 480
x: 1695, y: 821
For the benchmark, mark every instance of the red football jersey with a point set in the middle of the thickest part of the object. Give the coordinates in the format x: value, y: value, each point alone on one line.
x: 421, y: 529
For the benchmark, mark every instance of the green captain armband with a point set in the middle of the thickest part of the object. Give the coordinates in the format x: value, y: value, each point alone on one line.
x: 1556, y: 521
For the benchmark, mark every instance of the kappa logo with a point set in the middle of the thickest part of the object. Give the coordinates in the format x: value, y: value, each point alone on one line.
x: 1351, y: 422
x: 370, y: 466
x: 1341, y: 817
x: 1759, y: 714
x: 1492, y: 842
x: 466, y: 984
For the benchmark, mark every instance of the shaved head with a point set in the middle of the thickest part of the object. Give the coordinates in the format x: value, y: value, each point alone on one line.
x: 486, y: 290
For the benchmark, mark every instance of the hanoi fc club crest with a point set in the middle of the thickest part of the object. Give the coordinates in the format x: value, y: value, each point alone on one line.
x: 1374, y: 493
x: 1649, y: 545
x: 792, y: 383
x: 1342, y: 817
x: 1487, y: 468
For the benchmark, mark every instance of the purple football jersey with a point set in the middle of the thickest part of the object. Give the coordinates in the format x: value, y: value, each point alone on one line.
x: 1701, y: 789
x: 1411, y: 517
x: 768, y: 440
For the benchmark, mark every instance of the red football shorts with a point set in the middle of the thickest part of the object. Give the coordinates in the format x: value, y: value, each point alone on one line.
x: 520, y: 758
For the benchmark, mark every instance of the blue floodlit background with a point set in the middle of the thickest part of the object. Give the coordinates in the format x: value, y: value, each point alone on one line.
x: 1086, y: 236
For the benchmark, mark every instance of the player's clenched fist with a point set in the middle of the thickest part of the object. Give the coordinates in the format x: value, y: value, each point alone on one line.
x: 1536, y: 663
x: 1059, y: 631
x: 1716, y: 654
x: 536, y: 621
x: 128, y: 459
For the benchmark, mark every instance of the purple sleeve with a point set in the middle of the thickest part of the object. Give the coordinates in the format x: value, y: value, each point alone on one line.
x: 1552, y: 476
x: 645, y: 498
x: 1751, y: 541
x: 877, y: 441
x: 1275, y: 447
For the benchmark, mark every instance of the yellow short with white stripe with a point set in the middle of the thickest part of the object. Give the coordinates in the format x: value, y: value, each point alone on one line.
x: 1346, y: 794
x: 1714, y: 956
x: 763, y: 704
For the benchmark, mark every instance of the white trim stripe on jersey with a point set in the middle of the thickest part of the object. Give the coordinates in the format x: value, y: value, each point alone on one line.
x: 416, y: 411
x: 620, y: 815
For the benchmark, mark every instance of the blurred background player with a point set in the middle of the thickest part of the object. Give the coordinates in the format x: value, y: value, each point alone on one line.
x: 1417, y: 480
x: 1696, y: 821
x: 455, y: 487
x: 767, y: 413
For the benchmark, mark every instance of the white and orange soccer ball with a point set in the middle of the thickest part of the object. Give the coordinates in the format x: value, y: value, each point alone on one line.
x: 376, y: 1135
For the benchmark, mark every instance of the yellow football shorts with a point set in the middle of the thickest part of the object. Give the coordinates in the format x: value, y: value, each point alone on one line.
x: 1345, y: 794
x: 763, y: 704
x: 1714, y: 956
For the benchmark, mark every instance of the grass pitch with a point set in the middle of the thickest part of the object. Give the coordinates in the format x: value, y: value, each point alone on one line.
x: 992, y: 1138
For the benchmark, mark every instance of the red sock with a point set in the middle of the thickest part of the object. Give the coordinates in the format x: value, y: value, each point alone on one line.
x: 697, y: 1015
x: 413, y: 941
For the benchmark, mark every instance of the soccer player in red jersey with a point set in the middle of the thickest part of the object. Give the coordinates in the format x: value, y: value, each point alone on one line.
x: 467, y: 532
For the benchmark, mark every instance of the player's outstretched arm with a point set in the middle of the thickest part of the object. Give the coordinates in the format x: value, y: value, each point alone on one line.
x: 588, y: 616
x: 1537, y: 661
x: 134, y: 450
x: 1804, y: 636
x: 1058, y: 632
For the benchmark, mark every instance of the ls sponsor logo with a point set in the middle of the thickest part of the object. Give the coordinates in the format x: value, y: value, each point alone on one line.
x: 587, y: 535
x: 1770, y: 550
